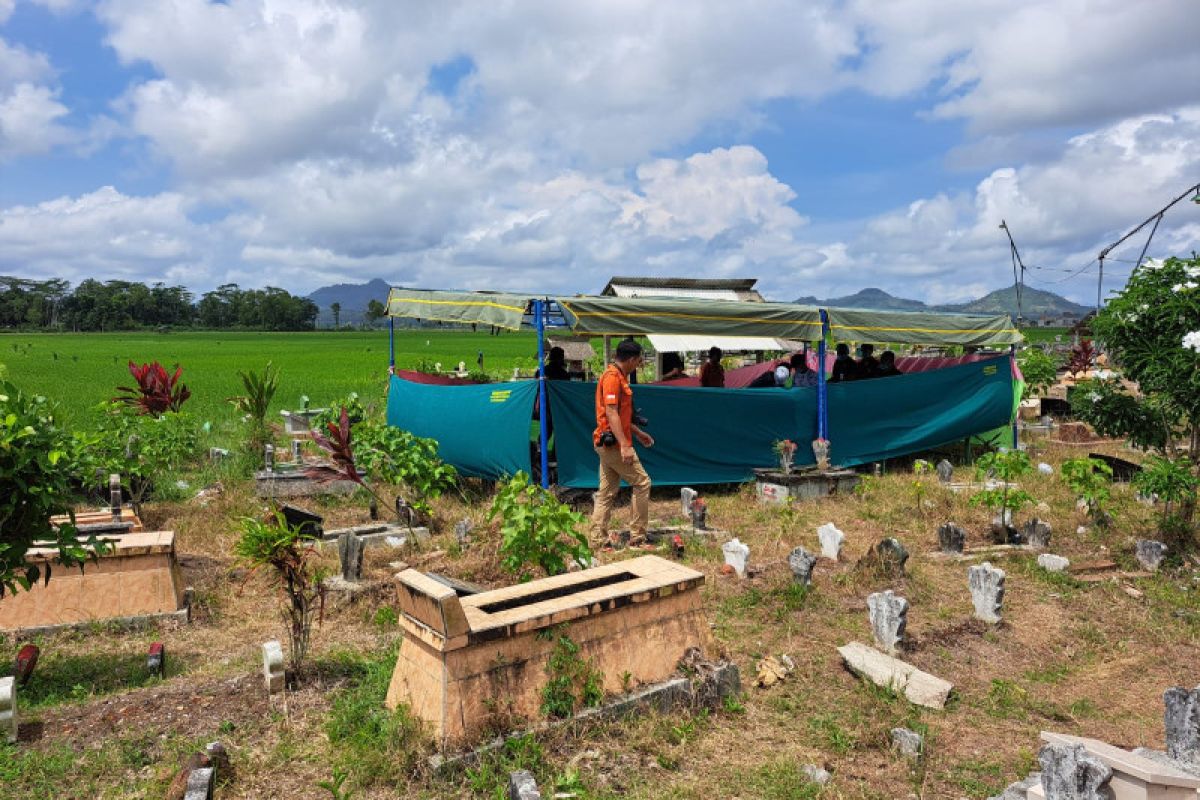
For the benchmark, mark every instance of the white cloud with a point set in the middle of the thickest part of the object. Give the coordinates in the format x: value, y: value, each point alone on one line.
x: 29, y: 121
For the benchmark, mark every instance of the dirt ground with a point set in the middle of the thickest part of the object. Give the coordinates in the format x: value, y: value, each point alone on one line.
x: 1084, y: 658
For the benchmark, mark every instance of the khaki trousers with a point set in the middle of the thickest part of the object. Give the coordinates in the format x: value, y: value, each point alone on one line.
x: 612, y: 471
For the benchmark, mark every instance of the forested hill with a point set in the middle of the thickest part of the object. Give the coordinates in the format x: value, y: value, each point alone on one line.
x: 125, y: 305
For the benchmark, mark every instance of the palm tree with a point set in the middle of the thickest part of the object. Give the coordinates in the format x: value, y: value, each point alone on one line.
x: 336, y: 308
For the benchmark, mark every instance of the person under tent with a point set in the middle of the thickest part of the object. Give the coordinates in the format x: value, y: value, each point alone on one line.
x: 845, y: 368
x: 712, y: 374
x: 887, y: 365
x: 672, y: 367
x: 868, y: 365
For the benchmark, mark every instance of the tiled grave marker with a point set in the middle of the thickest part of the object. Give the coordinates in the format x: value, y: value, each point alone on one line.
x: 272, y: 653
x: 987, y: 591
x: 951, y: 538
x: 831, y: 540
x: 889, y: 617
x: 802, y: 562
x: 736, y: 555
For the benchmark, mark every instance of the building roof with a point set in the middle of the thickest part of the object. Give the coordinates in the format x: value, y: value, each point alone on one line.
x: 705, y: 288
x: 574, y: 349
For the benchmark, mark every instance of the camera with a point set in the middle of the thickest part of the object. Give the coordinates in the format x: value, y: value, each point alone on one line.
x: 607, y: 439
x: 639, y: 419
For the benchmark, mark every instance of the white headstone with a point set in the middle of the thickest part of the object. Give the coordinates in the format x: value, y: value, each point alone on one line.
x: 8, y: 709
x: 687, y: 496
x: 987, y: 591
x: 889, y: 617
x: 272, y: 653
x: 831, y: 541
x: 1045, y: 468
x: 1053, y: 563
x: 736, y: 556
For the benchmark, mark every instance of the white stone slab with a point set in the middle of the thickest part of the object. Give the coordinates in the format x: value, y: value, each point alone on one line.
x: 919, y: 687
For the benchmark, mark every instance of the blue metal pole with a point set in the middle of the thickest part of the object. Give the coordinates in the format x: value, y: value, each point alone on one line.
x: 539, y: 314
x: 392, y: 343
x: 822, y: 397
x: 1012, y: 353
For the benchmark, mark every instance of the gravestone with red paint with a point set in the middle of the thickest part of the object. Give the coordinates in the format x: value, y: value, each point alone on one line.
x: 27, y: 658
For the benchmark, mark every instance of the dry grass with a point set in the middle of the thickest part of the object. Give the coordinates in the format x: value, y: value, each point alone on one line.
x: 1080, y: 658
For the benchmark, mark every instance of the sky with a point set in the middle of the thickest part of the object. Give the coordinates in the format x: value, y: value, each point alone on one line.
x: 821, y: 147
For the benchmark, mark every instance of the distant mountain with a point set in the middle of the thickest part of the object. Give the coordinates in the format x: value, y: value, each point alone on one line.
x: 1035, y: 303
x: 353, y: 298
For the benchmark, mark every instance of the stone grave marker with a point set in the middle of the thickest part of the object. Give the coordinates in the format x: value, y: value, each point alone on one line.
x: 699, y: 514
x: 802, y: 562
x: 908, y: 742
x: 462, y: 532
x: 269, y: 458
x: 1037, y: 533
x: 1182, y: 721
x: 8, y: 709
x: 889, y: 617
x: 831, y: 540
x: 27, y: 658
x: 522, y: 786
x: 686, y: 496
x: 200, y: 784
x: 1045, y: 469
x: 945, y: 471
x: 1069, y: 772
x: 736, y: 555
x: 272, y: 653
x: 350, y: 556
x: 987, y: 591
x: 1053, y: 563
x: 296, y: 455
x: 951, y: 538
x: 1150, y: 554
x: 114, y: 496
x: 892, y: 555
x: 156, y: 659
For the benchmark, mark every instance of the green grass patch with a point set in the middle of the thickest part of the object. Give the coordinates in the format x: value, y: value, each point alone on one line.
x: 782, y: 779
x: 60, y: 679
x: 61, y: 771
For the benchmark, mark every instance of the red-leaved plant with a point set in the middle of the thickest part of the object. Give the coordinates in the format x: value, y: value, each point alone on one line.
x: 341, y: 453
x: 157, y: 391
x: 1081, y: 357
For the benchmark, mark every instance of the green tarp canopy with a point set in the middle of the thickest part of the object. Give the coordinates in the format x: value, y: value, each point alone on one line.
x: 922, y: 327
x: 619, y: 316
x: 485, y: 308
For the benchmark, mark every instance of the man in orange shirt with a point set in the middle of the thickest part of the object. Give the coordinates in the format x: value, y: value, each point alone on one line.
x: 613, y: 440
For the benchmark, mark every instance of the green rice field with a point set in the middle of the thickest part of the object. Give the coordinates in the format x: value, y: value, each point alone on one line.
x: 79, y: 371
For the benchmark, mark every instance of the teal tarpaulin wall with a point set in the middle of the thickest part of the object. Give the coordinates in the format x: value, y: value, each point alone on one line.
x: 482, y: 430
x: 703, y: 435
x: 709, y: 435
x: 883, y: 418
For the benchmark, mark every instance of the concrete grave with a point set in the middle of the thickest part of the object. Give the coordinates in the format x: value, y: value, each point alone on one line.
x: 889, y: 617
x: 1130, y: 776
x: 802, y: 562
x: 291, y: 480
x: 1037, y: 533
x: 273, y: 673
x: 1182, y: 721
x: 8, y: 709
x: 987, y: 591
x: 687, y: 496
x: 951, y: 538
x: 350, y: 556
x: 1053, y: 563
x: 736, y: 555
x: 907, y: 742
x: 1069, y: 772
x: 945, y: 471
x: 831, y: 540
x: 892, y: 555
x: 920, y: 688
x: 379, y: 534
x: 776, y: 487
x: 460, y: 655
x: 522, y: 786
x: 1150, y: 554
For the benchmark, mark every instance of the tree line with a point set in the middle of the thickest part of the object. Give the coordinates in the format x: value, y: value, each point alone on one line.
x: 126, y: 305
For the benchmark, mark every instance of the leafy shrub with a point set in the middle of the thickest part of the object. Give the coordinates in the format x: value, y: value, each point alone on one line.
x: 288, y: 551
x: 1105, y: 405
x: 572, y: 680
x: 1174, y: 483
x: 37, y: 462
x: 144, y: 450
x: 390, y: 455
x: 1005, y: 467
x: 1040, y: 370
x: 1091, y: 480
x: 157, y: 392
x: 355, y: 412
x: 537, y: 529
x: 260, y: 391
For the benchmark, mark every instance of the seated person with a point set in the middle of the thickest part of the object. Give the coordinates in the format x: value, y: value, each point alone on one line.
x: 768, y: 380
x: 845, y: 368
x: 556, y: 365
x: 887, y: 365
x: 672, y: 367
x: 712, y: 374
x: 868, y: 365
x: 802, y: 376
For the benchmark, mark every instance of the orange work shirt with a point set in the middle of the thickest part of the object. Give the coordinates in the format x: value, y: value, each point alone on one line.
x: 613, y: 390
